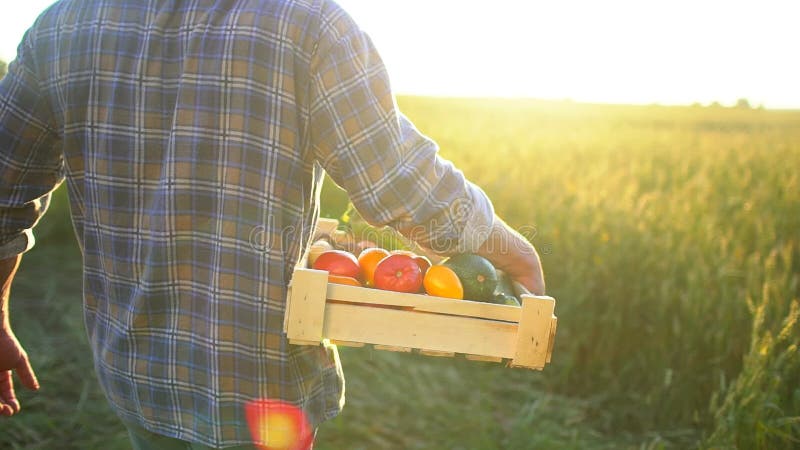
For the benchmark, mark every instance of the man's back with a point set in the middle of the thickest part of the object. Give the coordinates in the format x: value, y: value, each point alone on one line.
x: 182, y: 126
x: 191, y: 135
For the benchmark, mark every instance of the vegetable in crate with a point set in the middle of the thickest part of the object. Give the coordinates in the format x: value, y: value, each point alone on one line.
x: 477, y: 275
x: 399, y: 273
x: 368, y: 260
x: 504, y: 292
x: 506, y: 299
x: 338, y: 279
x: 319, y: 247
x: 442, y: 281
x: 422, y: 261
x: 338, y: 262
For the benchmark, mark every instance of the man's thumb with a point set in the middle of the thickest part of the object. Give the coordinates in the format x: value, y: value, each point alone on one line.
x: 25, y: 373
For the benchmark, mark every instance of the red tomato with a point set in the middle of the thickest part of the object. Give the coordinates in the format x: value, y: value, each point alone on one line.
x: 338, y: 262
x: 399, y: 273
x: 423, y: 263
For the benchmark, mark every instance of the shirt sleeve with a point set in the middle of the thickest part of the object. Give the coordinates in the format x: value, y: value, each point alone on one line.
x: 392, y: 172
x: 30, y: 168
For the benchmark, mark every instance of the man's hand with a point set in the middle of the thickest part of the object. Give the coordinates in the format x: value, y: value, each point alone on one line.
x: 13, y: 358
x: 12, y: 355
x: 512, y: 253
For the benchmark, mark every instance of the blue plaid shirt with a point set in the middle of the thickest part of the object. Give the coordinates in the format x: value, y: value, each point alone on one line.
x: 192, y: 137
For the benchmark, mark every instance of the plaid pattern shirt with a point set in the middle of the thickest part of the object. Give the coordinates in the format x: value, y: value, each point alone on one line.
x: 192, y: 137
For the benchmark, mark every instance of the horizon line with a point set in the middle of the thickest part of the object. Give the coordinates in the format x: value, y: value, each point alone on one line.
x: 694, y: 104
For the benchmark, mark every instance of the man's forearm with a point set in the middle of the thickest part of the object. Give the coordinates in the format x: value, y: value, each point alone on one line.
x: 8, y: 268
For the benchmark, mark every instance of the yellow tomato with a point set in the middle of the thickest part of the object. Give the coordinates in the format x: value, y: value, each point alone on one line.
x: 441, y: 281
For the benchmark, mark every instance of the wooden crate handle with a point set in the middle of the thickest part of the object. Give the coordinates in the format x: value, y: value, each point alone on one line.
x: 533, y: 335
x: 305, y: 309
x: 522, y: 291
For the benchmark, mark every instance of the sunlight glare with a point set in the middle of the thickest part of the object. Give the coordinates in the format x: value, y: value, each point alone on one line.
x: 616, y: 51
x: 619, y: 51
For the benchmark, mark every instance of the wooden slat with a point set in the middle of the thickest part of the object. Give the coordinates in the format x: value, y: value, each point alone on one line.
x: 348, y: 343
x: 325, y: 227
x: 288, y: 309
x: 306, y: 306
x: 533, y: 338
x: 483, y: 358
x: 392, y: 348
x: 301, y: 342
x: 553, y: 325
x: 425, y: 303
x: 443, y: 333
x: 490, y: 311
x: 436, y: 353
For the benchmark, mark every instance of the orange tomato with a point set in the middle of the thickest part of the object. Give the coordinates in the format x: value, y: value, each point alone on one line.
x: 368, y: 260
x: 441, y: 281
x: 338, y: 279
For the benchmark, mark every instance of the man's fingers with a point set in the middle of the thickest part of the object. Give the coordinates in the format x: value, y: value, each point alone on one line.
x: 25, y: 373
x: 9, y: 405
x: 534, y: 285
x: 537, y: 286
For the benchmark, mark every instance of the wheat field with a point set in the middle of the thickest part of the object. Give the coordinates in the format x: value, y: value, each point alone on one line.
x: 670, y: 237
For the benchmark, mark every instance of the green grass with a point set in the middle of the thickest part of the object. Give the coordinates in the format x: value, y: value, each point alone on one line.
x: 69, y: 411
x: 670, y: 239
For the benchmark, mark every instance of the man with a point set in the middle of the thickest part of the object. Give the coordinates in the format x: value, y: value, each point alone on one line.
x: 181, y: 127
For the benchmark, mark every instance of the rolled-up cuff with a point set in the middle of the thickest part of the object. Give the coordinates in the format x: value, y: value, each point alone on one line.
x: 479, y: 222
x: 19, y: 244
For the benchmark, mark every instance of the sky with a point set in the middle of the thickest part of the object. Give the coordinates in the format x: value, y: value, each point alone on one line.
x: 611, y: 51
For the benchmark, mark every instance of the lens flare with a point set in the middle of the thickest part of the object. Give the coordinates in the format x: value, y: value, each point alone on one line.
x: 278, y: 425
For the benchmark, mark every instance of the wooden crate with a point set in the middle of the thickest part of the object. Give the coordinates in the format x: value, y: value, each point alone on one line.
x: 355, y: 316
